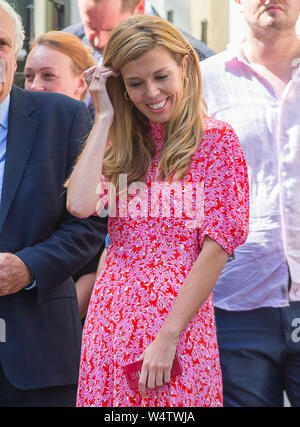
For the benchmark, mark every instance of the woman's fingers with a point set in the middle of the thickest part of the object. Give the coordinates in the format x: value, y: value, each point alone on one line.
x: 143, y: 381
x: 89, y: 73
x: 102, y: 77
x: 152, y: 378
x: 167, y: 376
x: 96, y: 79
x: 95, y: 73
x: 159, y: 379
x: 158, y: 360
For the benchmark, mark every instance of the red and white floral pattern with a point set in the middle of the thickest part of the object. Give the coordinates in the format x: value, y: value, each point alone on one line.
x: 147, y: 262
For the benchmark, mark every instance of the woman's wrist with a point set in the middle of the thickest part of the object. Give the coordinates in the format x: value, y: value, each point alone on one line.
x: 169, y: 333
x: 100, y: 129
x: 104, y: 119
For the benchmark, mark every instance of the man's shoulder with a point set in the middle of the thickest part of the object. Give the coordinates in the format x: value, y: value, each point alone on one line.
x: 218, y: 60
x: 202, y: 50
x: 76, y: 29
x: 54, y: 98
x: 42, y: 102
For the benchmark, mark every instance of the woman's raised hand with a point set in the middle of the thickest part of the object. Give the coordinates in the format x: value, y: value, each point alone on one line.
x: 96, y: 78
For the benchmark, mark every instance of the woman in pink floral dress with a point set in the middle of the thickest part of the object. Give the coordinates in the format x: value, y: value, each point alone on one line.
x: 179, y: 208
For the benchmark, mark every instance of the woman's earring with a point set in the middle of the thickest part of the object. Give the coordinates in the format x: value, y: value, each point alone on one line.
x: 126, y: 96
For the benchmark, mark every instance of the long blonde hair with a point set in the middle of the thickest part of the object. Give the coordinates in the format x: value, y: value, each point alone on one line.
x: 131, y: 150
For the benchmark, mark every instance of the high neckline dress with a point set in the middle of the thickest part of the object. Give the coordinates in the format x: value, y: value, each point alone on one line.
x: 153, y: 247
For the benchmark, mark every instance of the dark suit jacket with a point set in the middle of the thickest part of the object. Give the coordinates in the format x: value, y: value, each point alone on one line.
x: 43, y: 329
x: 202, y: 50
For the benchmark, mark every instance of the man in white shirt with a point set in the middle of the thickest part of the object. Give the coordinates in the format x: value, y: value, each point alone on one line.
x: 256, y: 88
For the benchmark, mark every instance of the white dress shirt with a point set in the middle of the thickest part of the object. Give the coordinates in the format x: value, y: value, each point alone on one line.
x: 269, y: 131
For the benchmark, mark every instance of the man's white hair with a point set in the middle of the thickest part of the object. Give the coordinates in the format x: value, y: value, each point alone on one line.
x: 18, y: 24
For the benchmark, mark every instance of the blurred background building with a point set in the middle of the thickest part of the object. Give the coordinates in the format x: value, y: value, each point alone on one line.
x: 216, y: 22
x: 40, y: 16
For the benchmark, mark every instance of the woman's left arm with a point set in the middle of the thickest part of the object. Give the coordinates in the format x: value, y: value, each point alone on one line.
x: 159, y: 356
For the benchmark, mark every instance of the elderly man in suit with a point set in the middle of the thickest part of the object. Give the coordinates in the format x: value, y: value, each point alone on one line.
x: 41, y: 244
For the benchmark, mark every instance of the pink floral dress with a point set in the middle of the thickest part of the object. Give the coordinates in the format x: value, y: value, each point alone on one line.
x: 153, y: 247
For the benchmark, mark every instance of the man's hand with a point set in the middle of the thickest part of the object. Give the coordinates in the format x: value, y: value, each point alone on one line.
x: 14, y: 274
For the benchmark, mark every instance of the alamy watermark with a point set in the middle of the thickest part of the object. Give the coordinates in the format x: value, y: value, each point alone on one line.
x: 2, y: 330
x: 179, y: 199
x: 2, y: 71
x: 296, y: 331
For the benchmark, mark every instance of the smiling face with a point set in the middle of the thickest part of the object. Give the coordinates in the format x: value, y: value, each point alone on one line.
x: 47, y: 69
x: 8, y: 55
x: 273, y: 14
x: 154, y: 83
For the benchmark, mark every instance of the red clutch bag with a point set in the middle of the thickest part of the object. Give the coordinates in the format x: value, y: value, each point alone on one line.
x: 132, y: 372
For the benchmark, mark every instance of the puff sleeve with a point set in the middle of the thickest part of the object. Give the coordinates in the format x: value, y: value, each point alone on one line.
x: 226, y: 190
